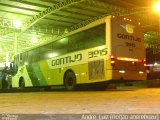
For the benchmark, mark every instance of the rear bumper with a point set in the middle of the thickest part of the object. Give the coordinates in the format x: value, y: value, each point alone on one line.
x: 129, y: 75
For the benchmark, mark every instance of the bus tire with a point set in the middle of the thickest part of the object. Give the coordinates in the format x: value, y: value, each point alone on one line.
x: 70, y: 81
x: 21, y: 83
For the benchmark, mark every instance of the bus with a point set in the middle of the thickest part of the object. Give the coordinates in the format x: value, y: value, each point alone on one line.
x: 108, y: 49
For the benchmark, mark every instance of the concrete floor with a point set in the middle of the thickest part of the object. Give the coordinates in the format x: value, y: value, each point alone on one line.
x: 145, y: 100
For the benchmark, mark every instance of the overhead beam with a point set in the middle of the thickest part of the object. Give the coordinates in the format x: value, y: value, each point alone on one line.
x: 149, y: 36
x: 111, y: 10
x: 48, y: 11
x: 6, y: 23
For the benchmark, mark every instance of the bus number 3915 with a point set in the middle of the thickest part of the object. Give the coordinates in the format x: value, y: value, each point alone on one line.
x: 97, y: 53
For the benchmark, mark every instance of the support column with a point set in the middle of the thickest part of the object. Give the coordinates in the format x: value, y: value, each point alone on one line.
x: 7, y: 59
x: 158, y: 34
x: 15, y: 43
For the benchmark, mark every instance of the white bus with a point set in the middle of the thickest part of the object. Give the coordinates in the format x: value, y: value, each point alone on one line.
x: 111, y: 48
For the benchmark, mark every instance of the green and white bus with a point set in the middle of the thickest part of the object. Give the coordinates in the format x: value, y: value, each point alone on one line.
x: 111, y: 48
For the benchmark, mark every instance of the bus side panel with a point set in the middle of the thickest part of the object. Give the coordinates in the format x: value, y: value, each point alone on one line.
x: 52, y: 76
x: 108, y: 67
x: 15, y: 80
x: 55, y: 76
x: 108, y: 70
x: 22, y: 72
x: 33, y: 70
x: 83, y: 73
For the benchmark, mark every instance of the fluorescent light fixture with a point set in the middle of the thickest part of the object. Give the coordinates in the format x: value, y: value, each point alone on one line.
x: 157, y: 6
x: 26, y: 63
x: 51, y: 55
x: 34, y: 40
x: 17, y: 24
x: 155, y: 64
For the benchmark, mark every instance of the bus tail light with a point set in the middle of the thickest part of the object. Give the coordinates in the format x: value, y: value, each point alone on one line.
x: 112, y: 60
x: 144, y: 62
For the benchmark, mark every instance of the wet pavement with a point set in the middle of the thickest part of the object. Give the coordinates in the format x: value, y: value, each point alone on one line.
x: 144, y: 100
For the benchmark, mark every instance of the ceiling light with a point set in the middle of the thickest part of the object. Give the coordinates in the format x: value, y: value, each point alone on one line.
x: 155, y: 64
x: 157, y: 7
x: 51, y: 55
x: 17, y: 24
x: 34, y: 40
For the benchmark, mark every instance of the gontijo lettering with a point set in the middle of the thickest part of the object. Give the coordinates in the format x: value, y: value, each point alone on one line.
x: 68, y: 59
x: 129, y: 37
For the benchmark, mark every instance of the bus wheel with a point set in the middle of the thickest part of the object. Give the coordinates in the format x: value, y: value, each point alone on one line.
x: 70, y: 81
x: 21, y: 82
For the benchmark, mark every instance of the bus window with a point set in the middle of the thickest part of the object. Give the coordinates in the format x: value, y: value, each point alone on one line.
x: 33, y: 55
x: 24, y: 57
x: 44, y: 51
x: 87, y: 39
x: 76, y: 42
x: 60, y: 47
x: 95, y: 36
